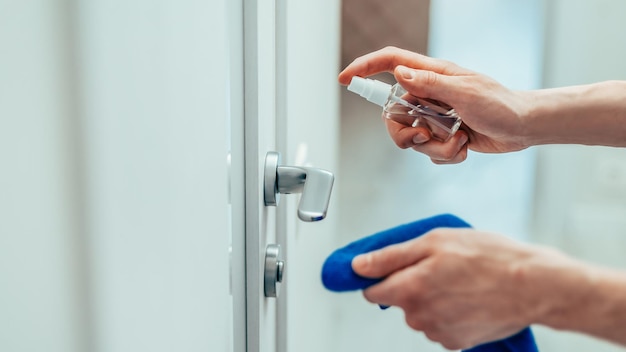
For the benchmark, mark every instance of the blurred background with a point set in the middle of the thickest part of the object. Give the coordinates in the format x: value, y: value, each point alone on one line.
x: 566, y: 196
x: 72, y: 278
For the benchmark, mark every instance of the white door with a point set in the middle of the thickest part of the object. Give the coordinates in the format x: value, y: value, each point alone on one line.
x: 290, y: 103
x: 114, y: 225
x: 122, y: 223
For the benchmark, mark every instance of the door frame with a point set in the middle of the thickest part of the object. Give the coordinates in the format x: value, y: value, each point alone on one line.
x: 237, y: 189
x: 259, y: 137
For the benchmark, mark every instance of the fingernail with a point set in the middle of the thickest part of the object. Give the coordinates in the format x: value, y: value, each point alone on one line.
x: 463, y: 140
x: 406, y: 72
x: 420, y: 138
x: 361, y: 261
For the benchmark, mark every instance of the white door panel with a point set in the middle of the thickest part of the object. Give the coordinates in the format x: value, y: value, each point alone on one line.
x: 312, y: 64
x: 291, y: 103
x: 155, y: 128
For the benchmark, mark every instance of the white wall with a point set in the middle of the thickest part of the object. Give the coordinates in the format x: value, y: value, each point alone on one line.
x: 113, y: 184
x: 42, y: 292
x: 581, y: 191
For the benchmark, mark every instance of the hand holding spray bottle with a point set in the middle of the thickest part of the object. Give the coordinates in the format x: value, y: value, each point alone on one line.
x: 402, y: 107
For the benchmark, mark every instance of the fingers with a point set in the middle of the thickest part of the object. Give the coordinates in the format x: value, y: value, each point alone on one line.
x: 421, y: 76
x: 428, y: 84
x: 460, y: 157
x: 453, y: 151
x: 390, y: 259
x: 386, y: 59
x: 407, y: 137
x: 420, y: 139
x: 450, y: 151
x: 404, y: 288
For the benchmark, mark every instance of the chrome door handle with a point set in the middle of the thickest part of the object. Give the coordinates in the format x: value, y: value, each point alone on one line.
x: 315, y: 185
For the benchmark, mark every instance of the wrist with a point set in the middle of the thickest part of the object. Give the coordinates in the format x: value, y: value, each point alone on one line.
x: 554, y: 286
x: 568, y: 290
x: 552, y: 115
x: 600, y: 307
x: 593, y: 114
x: 566, y: 294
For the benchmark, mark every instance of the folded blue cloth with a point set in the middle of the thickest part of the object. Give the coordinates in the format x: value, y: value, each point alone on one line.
x: 523, y: 341
x: 338, y: 276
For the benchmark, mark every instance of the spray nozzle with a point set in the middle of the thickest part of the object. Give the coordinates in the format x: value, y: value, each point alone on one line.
x: 374, y: 91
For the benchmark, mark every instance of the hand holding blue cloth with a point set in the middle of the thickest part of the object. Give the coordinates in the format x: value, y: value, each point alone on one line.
x: 338, y: 276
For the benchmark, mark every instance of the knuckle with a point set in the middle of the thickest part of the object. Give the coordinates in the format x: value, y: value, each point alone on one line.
x: 402, y: 142
x: 401, y: 136
x: 427, y: 150
x: 403, y: 300
x: 369, y: 296
x: 433, y: 335
x: 445, y: 155
x: 443, y: 162
x: 448, y: 154
x: 414, y: 322
x: 414, y: 298
x: 430, y: 78
x: 435, y: 237
x: 462, y: 156
x: 448, y: 67
x: 390, y: 49
x: 434, y: 265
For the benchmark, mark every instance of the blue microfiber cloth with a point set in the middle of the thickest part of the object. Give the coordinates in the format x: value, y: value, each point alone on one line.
x: 337, y: 274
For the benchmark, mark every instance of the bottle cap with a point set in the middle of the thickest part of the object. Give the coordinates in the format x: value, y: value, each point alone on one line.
x: 374, y: 91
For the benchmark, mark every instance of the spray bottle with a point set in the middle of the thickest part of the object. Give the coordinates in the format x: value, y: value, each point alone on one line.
x: 402, y: 107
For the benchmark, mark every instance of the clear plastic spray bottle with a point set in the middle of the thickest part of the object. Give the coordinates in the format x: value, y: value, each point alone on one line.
x: 402, y: 107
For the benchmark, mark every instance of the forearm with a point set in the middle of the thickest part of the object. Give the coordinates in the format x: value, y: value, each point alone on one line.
x: 602, y: 312
x: 592, y: 114
x: 576, y: 296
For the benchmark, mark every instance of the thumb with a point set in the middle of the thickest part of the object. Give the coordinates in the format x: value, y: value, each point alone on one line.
x: 423, y: 83
x: 385, y: 261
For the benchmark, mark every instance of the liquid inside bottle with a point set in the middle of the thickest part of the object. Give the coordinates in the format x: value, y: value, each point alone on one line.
x: 402, y: 107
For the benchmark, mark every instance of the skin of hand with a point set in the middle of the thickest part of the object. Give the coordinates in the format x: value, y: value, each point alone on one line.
x: 492, y: 114
x: 464, y: 287
x: 497, y: 119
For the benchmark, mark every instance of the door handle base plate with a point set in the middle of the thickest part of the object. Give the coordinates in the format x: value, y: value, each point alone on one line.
x: 274, y: 269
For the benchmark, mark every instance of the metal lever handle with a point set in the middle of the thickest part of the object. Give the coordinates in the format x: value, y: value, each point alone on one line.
x: 315, y: 185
